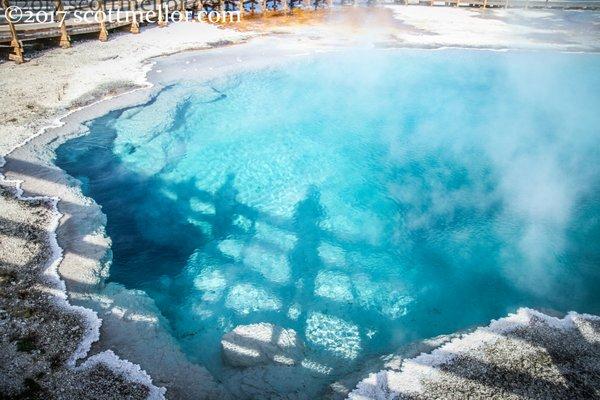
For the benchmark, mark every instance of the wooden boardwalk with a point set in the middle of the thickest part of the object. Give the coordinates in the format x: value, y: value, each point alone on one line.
x: 101, y: 17
x: 28, y: 31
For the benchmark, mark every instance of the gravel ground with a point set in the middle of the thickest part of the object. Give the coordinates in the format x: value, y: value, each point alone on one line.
x: 528, y: 355
x: 37, y: 336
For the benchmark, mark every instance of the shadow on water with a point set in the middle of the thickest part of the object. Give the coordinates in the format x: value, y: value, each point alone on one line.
x: 154, y: 228
x: 153, y: 236
x: 227, y: 207
x: 136, y: 225
x: 103, y: 180
x: 305, y: 262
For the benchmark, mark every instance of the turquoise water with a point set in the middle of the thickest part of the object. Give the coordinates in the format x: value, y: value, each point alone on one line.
x: 365, y: 199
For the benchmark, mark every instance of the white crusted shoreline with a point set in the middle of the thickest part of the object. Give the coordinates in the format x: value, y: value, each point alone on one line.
x: 131, y: 372
x: 136, y: 76
x: 418, y: 376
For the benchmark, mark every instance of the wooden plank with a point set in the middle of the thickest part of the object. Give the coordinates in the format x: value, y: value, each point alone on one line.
x: 17, y: 54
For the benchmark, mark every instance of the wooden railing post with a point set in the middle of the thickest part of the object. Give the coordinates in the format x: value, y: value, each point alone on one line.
x: 197, y: 9
x: 161, y: 17
x: 15, y: 43
x: 183, y: 11
x: 135, y: 25
x: 65, y: 40
x: 103, y: 37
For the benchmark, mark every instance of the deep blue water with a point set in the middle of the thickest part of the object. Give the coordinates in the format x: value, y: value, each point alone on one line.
x: 365, y: 199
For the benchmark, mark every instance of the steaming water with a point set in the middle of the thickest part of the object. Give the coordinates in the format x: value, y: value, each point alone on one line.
x: 365, y: 199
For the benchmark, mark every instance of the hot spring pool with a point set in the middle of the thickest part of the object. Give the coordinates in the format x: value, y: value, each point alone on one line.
x: 365, y: 199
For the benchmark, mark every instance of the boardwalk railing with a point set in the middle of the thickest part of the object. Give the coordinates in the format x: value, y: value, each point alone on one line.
x: 22, y: 21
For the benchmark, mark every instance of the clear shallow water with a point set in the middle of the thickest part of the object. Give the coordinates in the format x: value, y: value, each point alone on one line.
x: 365, y: 199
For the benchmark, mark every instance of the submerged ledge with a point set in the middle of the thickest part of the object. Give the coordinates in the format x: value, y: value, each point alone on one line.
x: 51, y: 138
